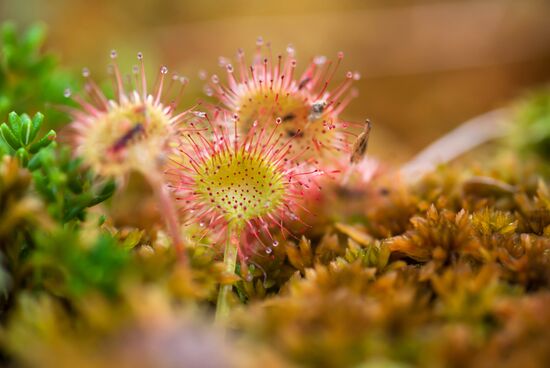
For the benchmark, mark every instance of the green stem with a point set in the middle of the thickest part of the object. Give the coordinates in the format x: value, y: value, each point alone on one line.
x: 230, y: 263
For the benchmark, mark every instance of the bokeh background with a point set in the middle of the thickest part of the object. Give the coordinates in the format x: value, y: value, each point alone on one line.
x: 426, y: 66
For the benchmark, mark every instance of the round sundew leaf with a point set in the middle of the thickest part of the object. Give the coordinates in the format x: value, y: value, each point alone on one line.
x: 306, y: 105
x: 126, y: 137
x: 242, y: 185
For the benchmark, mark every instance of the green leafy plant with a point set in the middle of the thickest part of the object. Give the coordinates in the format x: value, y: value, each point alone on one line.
x: 66, y: 186
x: 71, y: 264
x: 18, y: 137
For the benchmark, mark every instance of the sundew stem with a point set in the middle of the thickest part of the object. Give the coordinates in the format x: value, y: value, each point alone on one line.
x: 167, y: 211
x: 230, y: 263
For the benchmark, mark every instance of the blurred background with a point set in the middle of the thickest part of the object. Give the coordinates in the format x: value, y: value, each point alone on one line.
x: 426, y: 66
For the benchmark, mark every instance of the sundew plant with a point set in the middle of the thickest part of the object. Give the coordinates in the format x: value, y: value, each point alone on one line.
x: 145, y: 225
x: 131, y: 132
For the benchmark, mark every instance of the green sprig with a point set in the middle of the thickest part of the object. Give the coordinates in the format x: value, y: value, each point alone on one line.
x: 19, y: 136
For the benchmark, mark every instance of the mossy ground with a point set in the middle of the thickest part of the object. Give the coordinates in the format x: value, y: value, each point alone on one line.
x: 448, y: 270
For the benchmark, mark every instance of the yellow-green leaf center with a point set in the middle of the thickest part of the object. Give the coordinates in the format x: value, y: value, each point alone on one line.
x: 242, y: 186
